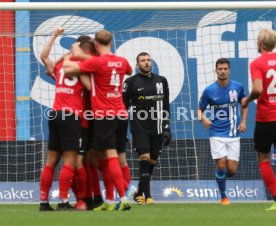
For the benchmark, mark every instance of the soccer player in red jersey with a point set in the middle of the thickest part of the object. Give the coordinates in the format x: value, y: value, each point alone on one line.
x: 81, y: 181
x: 108, y: 108
x: 263, y: 74
x: 64, y: 130
x: 87, y: 158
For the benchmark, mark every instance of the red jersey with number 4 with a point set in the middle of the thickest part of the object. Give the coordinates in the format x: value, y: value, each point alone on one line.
x: 106, y: 90
x: 264, y: 68
x: 69, y: 92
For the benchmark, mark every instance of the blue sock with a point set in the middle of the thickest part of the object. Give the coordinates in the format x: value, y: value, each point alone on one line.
x: 221, y: 181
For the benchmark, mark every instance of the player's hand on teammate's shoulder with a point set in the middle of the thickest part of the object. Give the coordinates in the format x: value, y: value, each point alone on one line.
x: 58, y: 31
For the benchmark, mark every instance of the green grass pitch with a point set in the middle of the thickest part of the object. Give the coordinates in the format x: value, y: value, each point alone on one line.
x: 242, y: 214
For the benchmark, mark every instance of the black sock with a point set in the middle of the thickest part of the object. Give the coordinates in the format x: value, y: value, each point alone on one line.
x: 151, y: 169
x: 140, y: 191
x: 274, y: 198
x: 145, y: 178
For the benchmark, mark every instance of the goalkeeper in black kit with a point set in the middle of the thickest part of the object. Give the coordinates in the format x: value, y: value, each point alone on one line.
x: 147, y: 96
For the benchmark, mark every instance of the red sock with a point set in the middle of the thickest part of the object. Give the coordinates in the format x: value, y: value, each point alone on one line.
x: 46, y: 179
x: 116, y: 175
x: 80, y: 179
x: 126, y: 175
x: 65, y: 181
x: 108, y: 184
x: 268, y: 177
x: 96, y: 188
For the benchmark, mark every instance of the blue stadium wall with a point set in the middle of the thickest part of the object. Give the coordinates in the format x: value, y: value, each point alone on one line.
x: 190, y: 61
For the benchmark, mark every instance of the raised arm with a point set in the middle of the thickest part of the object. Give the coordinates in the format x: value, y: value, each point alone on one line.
x: 44, y: 56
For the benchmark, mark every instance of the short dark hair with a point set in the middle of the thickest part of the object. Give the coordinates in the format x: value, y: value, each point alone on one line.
x: 222, y: 61
x: 89, y: 44
x: 103, y: 37
x: 141, y: 54
x: 83, y: 38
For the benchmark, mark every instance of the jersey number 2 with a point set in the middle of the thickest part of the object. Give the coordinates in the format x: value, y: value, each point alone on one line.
x: 271, y: 89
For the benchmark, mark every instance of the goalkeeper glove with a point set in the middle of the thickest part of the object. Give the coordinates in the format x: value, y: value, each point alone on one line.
x: 166, y: 135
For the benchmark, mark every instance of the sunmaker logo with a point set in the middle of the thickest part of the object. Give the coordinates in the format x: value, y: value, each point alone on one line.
x: 206, y: 190
x: 13, y: 194
x: 171, y: 190
x: 210, y: 193
x: 236, y: 192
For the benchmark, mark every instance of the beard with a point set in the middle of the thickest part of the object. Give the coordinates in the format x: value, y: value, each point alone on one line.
x: 222, y: 78
x: 145, y: 70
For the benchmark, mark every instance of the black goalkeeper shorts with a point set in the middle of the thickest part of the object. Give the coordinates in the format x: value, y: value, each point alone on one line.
x: 144, y: 143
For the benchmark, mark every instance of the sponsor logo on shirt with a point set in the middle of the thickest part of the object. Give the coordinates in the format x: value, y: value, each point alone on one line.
x: 64, y: 90
x: 113, y: 94
x: 271, y: 62
x: 272, y: 99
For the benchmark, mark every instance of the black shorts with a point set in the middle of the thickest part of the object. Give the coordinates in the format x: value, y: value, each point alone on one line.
x: 84, y: 141
x: 90, y: 138
x: 145, y: 143
x: 110, y: 134
x: 64, y: 132
x: 264, y: 136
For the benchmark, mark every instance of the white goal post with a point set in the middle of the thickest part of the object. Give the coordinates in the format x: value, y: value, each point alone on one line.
x: 137, y: 5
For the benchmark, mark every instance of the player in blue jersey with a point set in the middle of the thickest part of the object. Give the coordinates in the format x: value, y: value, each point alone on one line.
x: 227, y: 119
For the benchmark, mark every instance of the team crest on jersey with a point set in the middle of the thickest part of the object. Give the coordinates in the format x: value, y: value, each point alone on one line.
x: 159, y: 88
x: 233, y: 95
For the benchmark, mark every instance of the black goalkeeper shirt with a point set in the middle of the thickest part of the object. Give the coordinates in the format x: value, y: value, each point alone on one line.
x: 148, y: 98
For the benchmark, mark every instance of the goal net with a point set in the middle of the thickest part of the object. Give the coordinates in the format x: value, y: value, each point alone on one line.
x: 184, y: 46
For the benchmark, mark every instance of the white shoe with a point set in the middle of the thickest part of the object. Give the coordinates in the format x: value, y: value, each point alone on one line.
x: 131, y: 191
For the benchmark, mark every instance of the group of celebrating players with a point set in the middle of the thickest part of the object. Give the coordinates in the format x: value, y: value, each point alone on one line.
x: 91, y: 67
x: 89, y: 85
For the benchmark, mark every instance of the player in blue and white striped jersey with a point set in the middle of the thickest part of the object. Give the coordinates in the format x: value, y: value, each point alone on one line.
x: 226, y: 119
